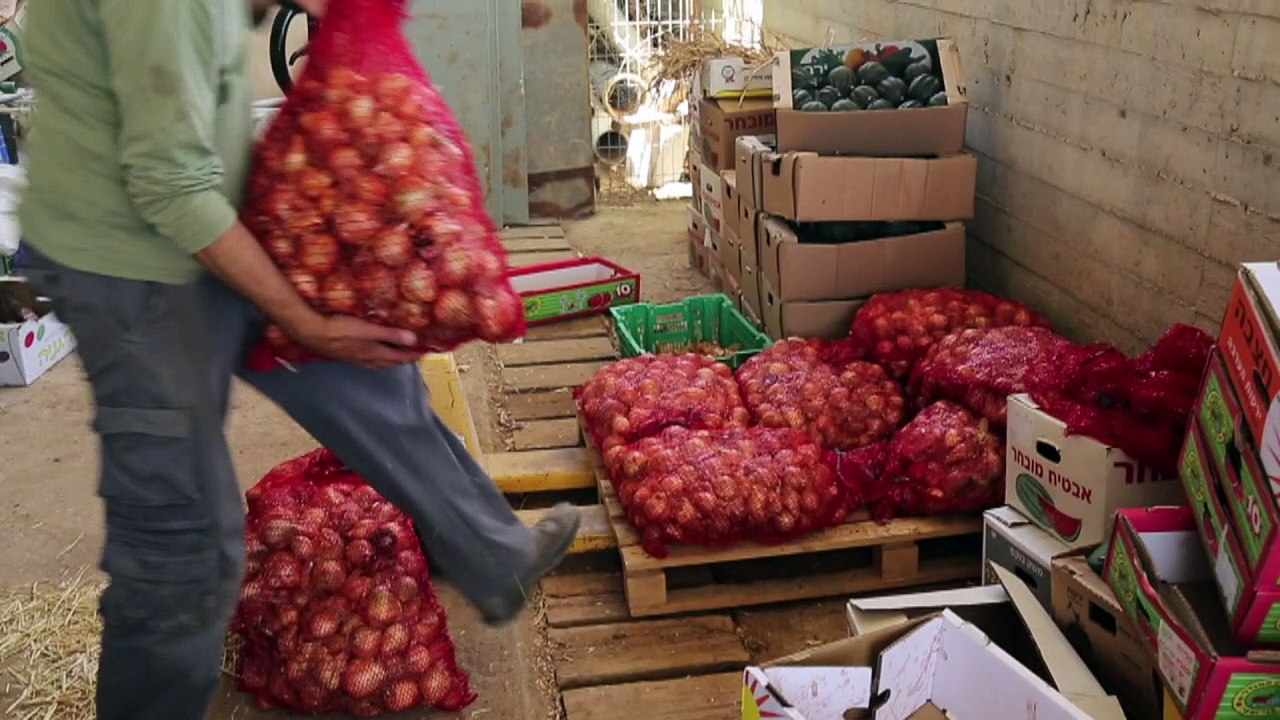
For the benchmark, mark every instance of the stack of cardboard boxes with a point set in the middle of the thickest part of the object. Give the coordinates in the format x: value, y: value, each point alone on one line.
x: 835, y: 206
x: 1202, y: 583
x: 733, y: 99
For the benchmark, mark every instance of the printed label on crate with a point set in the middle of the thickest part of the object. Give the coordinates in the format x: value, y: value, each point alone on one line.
x: 1253, y: 695
x: 1177, y: 662
x: 566, y: 302
x: 1039, y: 503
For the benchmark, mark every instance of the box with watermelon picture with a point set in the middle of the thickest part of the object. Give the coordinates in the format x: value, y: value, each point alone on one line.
x: 573, y: 288
x: 1254, y: 612
x: 32, y: 339
x: 1165, y: 585
x: 1071, y: 485
x: 1251, y: 495
x: 887, y: 99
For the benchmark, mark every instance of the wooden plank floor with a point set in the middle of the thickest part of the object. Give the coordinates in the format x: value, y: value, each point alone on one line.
x: 655, y: 650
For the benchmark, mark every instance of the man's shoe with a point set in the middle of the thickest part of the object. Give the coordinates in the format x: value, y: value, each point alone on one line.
x: 553, y: 535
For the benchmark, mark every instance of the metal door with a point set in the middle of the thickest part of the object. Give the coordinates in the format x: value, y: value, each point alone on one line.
x: 472, y: 49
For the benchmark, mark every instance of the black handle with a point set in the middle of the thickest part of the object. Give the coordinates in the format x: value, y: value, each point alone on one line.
x: 281, y: 61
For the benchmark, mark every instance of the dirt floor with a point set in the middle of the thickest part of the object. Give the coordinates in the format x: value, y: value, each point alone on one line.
x: 51, y: 518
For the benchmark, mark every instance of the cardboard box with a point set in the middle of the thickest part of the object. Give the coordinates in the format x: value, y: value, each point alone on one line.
x: 750, y: 156
x: 749, y: 234
x: 722, y: 122
x: 1253, y: 609
x: 29, y: 347
x: 712, y: 198
x: 448, y: 401
x: 729, y: 198
x: 934, y: 667
x: 1013, y: 542
x: 1090, y: 616
x: 731, y: 252
x: 699, y: 255
x: 919, y: 131
x: 826, y: 319
x: 573, y: 288
x: 733, y: 289
x: 734, y: 78
x: 808, y: 187
x: 1171, y: 711
x: 1035, y: 641
x: 752, y: 300
x: 1161, y: 578
x: 697, y: 222
x: 1248, y: 345
x: 1072, y: 485
x: 812, y: 271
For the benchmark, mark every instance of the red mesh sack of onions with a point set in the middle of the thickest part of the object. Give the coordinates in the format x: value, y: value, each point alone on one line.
x: 636, y: 397
x: 981, y: 368
x: 897, y: 328
x: 1140, y: 405
x: 720, y: 487
x: 944, y: 461
x: 841, y: 405
x: 337, y: 612
x: 365, y: 193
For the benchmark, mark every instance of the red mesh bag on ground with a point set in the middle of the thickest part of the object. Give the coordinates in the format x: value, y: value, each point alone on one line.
x: 364, y: 192
x: 636, y: 397
x: 337, y: 612
x: 897, y: 328
x: 946, y: 460
x: 1140, y: 405
x: 717, y: 488
x: 981, y: 368
x: 804, y: 385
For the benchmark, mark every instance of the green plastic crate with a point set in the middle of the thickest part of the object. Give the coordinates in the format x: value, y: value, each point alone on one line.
x: 646, y: 327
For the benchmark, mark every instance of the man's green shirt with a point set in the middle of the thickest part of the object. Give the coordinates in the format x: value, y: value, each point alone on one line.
x: 141, y: 134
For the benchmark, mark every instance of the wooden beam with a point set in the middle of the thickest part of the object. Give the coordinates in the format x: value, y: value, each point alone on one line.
x: 534, y: 471
x: 594, y: 535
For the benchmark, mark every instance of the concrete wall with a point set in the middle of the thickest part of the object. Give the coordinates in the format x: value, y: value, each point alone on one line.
x: 1129, y: 150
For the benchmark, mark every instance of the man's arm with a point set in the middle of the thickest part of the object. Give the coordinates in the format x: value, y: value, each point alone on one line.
x: 160, y: 53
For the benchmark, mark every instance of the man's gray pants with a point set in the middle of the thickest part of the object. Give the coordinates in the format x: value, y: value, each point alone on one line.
x: 160, y: 359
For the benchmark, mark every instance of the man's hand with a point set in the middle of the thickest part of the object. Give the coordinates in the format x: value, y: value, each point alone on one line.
x: 240, y: 261
x: 356, y: 341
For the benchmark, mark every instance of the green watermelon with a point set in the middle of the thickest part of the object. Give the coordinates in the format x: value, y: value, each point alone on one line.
x: 845, y: 105
x: 842, y: 79
x: 814, y: 106
x: 924, y: 87
x: 871, y: 73
x: 892, y: 89
x: 800, y: 97
x: 881, y: 104
x: 864, y: 95
x: 828, y: 96
x: 938, y: 100
x: 908, y: 104
x: 915, y: 70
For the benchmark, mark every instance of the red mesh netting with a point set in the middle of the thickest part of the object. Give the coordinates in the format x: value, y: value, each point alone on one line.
x: 636, y: 397
x: 981, y: 368
x: 944, y: 461
x: 897, y: 328
x: 842, y: 406
x: 1140, y: 405
x: 337, y: 612
x: 717, y: 488
x: 364, y: 191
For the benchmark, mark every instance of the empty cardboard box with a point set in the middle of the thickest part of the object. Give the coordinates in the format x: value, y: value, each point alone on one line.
x: 808, y: 187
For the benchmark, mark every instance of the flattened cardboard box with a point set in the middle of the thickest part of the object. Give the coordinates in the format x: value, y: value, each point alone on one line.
x: 803, y: 271
x: 1160, y: 576
x: 1034, y: 639
x: 810, y: 188
x: 730, y: 250
x: 1092, y: 619
x: 712, y: 190
x: 888, y: 133
x: 749, y: 234
x: 938, y: 666
x: 824, y: 319
x: 722, y: 122
x: 1011, y: 541
x: 1071, y: 485
x: 1254, y: 610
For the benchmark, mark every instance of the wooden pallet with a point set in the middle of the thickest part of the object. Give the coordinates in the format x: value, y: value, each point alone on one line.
x: 859, y: 556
